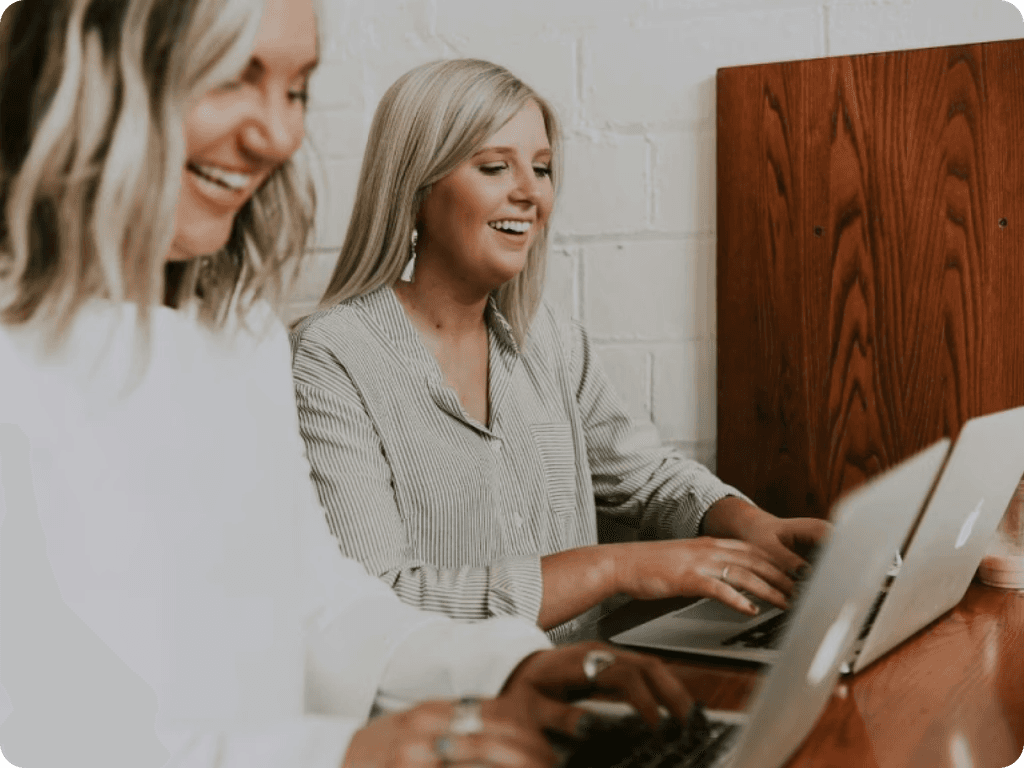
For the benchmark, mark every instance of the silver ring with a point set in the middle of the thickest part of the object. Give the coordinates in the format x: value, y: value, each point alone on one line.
x: 444, y: 748
x: 725, y: 574
x: 467, y: 717
x: 595, y: 662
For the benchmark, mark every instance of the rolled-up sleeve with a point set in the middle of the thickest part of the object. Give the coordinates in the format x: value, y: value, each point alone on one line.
x: 354, y: 480
x: 636, y: 478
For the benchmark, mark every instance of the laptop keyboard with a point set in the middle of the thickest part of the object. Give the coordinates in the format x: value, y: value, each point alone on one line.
x: 630, y: 743
x: 764, y: 635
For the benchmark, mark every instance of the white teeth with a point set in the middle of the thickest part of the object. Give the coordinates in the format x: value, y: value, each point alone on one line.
x: 511, y: 226
x: 233, y: 181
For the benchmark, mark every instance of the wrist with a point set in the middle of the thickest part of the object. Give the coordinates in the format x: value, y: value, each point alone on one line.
x: 729, y: 518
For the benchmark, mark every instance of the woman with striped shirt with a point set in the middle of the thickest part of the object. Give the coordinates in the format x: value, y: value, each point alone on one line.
x: 459, y: 430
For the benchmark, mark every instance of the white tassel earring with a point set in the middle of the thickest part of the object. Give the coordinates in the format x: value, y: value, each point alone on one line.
x: 410, y: 266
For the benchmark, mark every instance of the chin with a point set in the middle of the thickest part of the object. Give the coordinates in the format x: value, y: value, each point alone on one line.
x: 205, y: 242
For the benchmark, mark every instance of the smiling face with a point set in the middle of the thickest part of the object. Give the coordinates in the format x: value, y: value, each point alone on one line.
x: 238, y: 134
x: 477, y: 223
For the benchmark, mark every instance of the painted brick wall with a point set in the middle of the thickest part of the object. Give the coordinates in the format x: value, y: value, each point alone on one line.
x: 633, y: 81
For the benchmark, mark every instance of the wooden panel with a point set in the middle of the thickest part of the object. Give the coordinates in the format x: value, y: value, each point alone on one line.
x: 870, y: 222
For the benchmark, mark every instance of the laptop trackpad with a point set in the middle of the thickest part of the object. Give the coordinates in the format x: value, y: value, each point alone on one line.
x: 712, y: 610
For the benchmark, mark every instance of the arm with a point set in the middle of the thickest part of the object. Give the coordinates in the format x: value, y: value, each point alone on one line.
x: 636, y: 478
x: 667, y: 494
x: 355, y: 484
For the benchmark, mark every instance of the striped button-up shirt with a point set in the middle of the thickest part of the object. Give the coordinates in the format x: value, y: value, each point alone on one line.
x: 454, y: 514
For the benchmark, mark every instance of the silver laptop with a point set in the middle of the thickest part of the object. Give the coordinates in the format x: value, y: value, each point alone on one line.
x: 950, y: 539
x: 870, y: 524
x: 710, y: 628
x: 936, y: 567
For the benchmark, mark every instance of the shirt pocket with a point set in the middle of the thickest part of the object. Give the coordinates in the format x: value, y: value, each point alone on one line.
x: 557, y: 452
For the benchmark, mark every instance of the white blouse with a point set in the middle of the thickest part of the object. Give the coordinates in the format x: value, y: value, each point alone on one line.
x: 168, y: 585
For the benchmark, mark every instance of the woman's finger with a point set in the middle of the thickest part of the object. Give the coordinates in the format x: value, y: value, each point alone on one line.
x: 716, y: 589
x: 666, y: 687
x: 556, y: 715
x: 628, y: 677
x: 740, y: 579
x: 525, y: 749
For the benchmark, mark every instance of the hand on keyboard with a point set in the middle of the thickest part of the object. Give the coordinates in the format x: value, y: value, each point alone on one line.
x: 631, y: 743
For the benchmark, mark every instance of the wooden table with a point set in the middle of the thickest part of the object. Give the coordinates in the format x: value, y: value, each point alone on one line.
x: 951, y: 696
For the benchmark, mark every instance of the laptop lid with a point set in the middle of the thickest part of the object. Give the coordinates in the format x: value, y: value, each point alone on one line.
x: 958, y: 524
x: 870, y: 525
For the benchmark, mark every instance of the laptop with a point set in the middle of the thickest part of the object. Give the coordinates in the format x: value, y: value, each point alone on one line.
x: 951, y: 538
x: 870, y: 524
x: 932, y: 575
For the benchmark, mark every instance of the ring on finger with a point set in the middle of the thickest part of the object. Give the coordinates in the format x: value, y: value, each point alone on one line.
x: 725, y: 574
x: 444, y: 748
x: 467, y: 717
x: 595, y: 662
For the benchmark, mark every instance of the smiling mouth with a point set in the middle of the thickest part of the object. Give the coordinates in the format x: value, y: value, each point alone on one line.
x: 511, y: 227
x: 229, y: 180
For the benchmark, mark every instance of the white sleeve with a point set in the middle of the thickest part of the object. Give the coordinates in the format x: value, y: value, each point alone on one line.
x: 365, y: 645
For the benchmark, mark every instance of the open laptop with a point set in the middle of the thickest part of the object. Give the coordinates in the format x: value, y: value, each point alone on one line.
x: 870, y: 524
x: 933, y: 574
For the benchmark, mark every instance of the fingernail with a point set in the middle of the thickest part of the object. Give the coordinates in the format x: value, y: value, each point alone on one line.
x: 585, y: 724
x: 752, y: 608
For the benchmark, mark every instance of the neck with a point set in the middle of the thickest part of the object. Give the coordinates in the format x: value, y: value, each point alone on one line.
x: 441, y: 308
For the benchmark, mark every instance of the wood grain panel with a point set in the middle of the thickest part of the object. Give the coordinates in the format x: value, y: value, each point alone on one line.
x: 869, y: 262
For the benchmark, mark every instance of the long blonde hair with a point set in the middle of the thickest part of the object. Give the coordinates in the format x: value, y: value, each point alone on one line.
x: 92, y: 101
x: 430, y: 120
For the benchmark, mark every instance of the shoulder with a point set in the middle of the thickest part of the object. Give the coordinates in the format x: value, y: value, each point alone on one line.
x: 336, y: 328
x: 554, y: 331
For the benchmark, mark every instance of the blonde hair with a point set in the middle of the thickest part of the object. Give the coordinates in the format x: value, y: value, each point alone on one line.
x: 92, y: 101
x: 432, y: 119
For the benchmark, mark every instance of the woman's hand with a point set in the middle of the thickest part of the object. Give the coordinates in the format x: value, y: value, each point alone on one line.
x: 559, y: 674
x: 423, y: 737
x: 705, y: 567
x: 787, y: 542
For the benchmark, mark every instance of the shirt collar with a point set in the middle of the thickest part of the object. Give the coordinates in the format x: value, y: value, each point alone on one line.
x: 500, y: 326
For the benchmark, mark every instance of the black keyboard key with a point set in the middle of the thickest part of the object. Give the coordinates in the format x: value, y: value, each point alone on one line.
x: 763, y: 635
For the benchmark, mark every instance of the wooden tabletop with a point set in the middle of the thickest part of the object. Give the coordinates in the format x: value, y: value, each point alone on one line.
x: 951, y: 696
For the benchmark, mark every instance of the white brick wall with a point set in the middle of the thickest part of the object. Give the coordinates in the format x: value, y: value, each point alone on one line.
x: 633, y: 82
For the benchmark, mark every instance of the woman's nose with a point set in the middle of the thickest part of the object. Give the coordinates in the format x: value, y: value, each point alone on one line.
x: 527, y: 186
x: 276, y: 130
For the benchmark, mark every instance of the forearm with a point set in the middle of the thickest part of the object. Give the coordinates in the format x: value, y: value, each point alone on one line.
x: 730, y: 518
x: 575, y: 580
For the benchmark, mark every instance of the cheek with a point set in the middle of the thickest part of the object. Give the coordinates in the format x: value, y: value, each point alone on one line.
x: 545, y: 204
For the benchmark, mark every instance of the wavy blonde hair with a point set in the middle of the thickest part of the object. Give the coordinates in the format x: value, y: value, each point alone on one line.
x: 432, y: 119
x: 93, y: 95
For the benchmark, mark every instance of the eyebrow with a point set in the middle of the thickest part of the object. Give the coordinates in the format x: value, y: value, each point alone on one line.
x: 260, y: 67
x: 510, y: 151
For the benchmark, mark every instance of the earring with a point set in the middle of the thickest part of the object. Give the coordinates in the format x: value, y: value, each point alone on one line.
x: 410, y: 266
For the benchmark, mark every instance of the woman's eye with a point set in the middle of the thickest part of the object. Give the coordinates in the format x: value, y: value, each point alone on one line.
x: 493, y: 168
x: 543, y: 171
x: 300, y: 96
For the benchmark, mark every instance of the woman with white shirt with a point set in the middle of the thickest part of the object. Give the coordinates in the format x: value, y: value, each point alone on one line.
x: 478, y: 421
x: 170, y: 591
